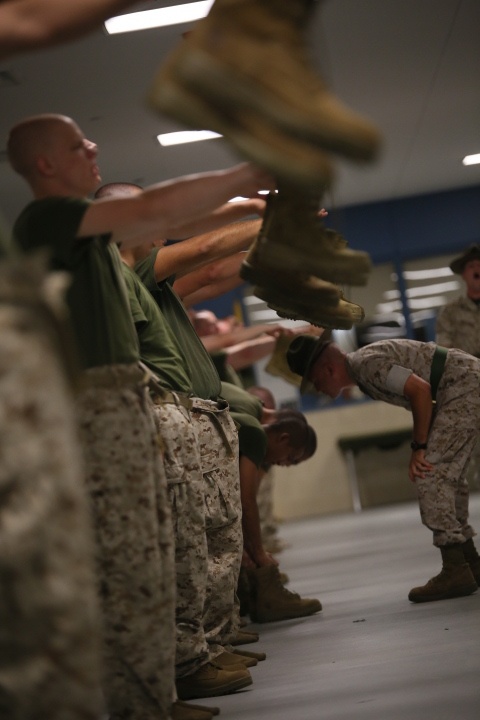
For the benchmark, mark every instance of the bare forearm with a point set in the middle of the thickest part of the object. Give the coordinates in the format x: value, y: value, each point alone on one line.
x: 31, y: 24
x: 230, y: 212
x: 205, y: 250
x: 245, y: 354
x: 208, y: 292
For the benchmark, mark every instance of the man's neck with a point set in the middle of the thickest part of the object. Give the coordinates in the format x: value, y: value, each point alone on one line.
x: 128, y: 257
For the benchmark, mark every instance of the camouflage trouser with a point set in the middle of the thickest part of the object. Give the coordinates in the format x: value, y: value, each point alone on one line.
x: 443, y: 493
x: 218, y: 442
x: 134, y: 542
x: 268, y: 523
x: 49, y: 632
x: 187, y: 500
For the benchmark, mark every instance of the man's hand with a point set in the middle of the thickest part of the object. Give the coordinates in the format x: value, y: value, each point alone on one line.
x: 418, y: 466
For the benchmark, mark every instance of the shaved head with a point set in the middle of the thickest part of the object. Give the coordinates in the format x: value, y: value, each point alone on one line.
x: 117, y: 189
x: 32, y: 137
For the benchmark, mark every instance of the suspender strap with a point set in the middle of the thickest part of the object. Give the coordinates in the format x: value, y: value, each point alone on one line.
x: 436, y: 369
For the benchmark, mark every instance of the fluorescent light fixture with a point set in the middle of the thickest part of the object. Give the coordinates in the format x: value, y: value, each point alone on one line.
x: 161, y: 17
x: 185, y: 136
x: 471, y: 159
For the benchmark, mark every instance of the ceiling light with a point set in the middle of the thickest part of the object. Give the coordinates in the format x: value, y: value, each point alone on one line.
x: 186, y: 136
x: 161, y: 17
x: 471, y: 159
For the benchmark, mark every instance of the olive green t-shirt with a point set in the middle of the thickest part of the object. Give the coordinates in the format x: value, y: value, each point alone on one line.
x: 225, y: 371
x: 252, y: 438
x: 97, y: 297
x: 203, y: 375
x: 241, y: 401
x: 158, y: 347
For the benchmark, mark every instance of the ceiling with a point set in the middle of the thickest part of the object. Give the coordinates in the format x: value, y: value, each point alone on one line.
x: 411, y: 66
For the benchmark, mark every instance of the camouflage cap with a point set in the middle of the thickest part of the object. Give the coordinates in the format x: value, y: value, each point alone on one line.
x: 458, y: 264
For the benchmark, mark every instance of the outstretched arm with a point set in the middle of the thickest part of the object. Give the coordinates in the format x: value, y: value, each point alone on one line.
x: 166, y: 208
x: 197, y: 252
x: 31, y: 24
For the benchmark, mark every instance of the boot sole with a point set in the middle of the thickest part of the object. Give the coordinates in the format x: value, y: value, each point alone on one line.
x: 226, y: 689
x: 283, y: 156
x: 460, y: 592
x: 344, y: 319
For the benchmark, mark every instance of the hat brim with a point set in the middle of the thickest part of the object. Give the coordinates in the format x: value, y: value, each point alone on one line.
x: 306, y: 386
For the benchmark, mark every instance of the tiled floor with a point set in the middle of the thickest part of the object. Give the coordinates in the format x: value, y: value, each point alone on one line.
x: 370, y: 655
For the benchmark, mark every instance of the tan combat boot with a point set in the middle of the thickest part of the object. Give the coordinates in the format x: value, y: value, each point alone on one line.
x: 273, y: 602
x: 211, y: 680
x: 472, y: 557
x: 454, y: 580
x: 227, y: 660
x: 183, y: 711
x: 252, y: 54
x: 294, y: 240
x: 252, y: 135
x: 180, y: 704
x: 341, y: 317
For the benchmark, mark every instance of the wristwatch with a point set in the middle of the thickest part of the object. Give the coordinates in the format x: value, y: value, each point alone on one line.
x: 418, y: 446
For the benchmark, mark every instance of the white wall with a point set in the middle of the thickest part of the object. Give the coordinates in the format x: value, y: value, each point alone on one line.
x: 321, y: 485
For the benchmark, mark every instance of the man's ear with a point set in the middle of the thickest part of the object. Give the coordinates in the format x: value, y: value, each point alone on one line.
x: 44, y: 166
x: 284, y: 438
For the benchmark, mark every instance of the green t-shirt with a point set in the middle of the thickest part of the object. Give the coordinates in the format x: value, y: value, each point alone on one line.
x: 204, y: 377
x: 158, y: 347
x: 225, y: 371
x: 97, y: 297
x: 252, y: 438
x: 241, y: 401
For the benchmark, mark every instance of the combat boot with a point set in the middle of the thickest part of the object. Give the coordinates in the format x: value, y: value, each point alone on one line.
x: 259, y: 656
x: 212, y: 710
x: 293, y: 239
x: 252, y: 54
x: 473, y: 558
x: 273, y: 602
x: 227, y: 660
x: 252, y: 135
x: 183, y: 711
x: 343, y: 316
x: 211, y: 680
x: 244, y: 637
x: 454, y: 580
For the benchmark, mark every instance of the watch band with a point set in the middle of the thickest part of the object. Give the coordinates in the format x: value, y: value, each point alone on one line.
x: 418, y: 446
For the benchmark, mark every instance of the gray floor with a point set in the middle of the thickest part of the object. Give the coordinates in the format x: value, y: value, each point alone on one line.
x: 370, y: 654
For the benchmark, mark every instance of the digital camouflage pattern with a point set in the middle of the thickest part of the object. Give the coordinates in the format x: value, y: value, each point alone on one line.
x: 134, y: 541
x: 443, y: 493
x: 218, y: 443
x: 185, y: 482
x: 49, y: 627
x: 458, y: 325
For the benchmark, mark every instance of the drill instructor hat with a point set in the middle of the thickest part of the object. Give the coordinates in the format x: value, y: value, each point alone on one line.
x: 303, y: 352
x: 458, y: 264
